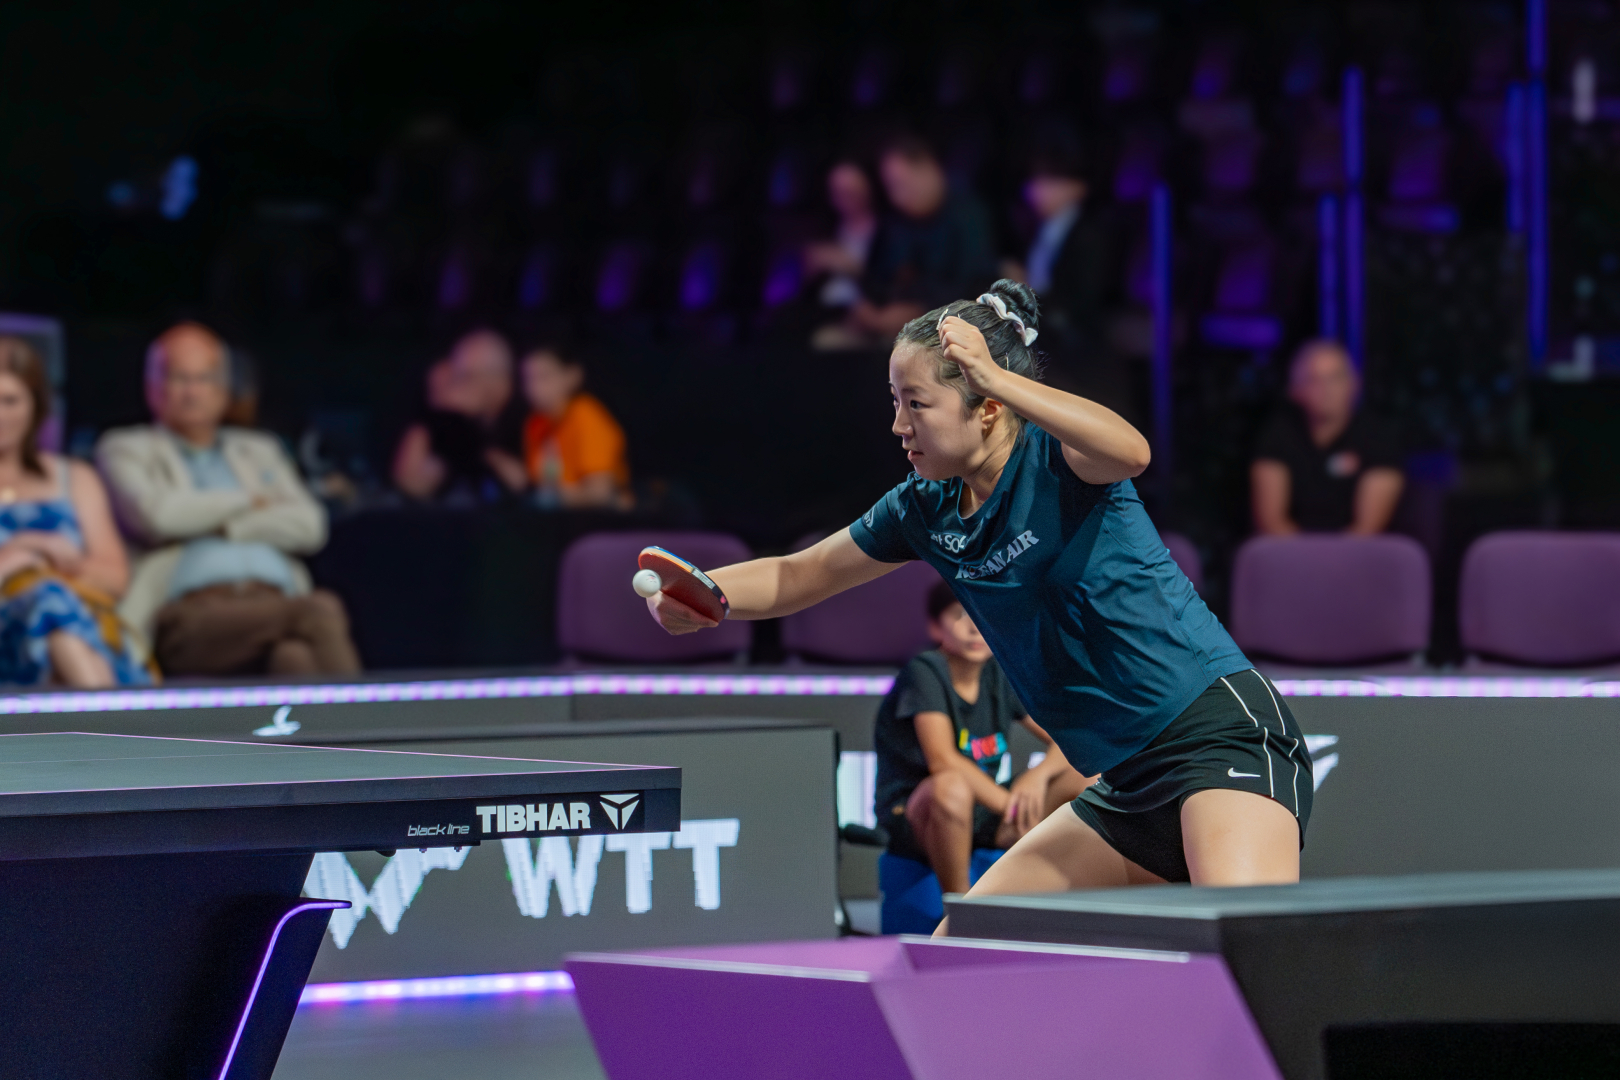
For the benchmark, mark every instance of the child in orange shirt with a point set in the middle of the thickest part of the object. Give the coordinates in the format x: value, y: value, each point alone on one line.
x: 573, y: 448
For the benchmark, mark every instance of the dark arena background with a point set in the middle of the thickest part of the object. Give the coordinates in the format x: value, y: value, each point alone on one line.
x: 380, y: 212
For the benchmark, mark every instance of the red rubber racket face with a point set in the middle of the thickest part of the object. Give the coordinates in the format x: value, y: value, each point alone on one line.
x: 685, y: 582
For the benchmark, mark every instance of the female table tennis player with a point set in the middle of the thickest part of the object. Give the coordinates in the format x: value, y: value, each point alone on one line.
x: 1022, y: 499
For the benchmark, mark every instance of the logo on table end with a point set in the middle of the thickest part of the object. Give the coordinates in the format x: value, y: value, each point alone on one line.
x: 618, y: 808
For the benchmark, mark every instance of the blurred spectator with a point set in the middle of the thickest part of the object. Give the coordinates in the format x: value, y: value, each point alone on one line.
x: 469, y: 436
x: 843, y: 258
x: 1323, y: 465
x: 62, y: 565
x: 943, y: 762
x: 1071, y: 266
x: 221, y: 510
x: 572, y: 447
x: 933, y: 247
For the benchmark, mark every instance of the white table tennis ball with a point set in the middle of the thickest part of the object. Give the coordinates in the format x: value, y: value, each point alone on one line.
x: 646, y: 583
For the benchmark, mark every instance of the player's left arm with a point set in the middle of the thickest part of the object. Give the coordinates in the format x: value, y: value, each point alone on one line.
x: 1098, y: 444
x: 772, y: 587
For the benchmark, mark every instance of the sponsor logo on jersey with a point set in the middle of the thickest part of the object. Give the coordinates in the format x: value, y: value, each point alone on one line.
x: 998, y: 562
x: 952, y: 542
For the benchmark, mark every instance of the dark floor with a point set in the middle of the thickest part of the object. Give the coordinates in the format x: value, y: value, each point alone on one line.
x: 508, y: 1037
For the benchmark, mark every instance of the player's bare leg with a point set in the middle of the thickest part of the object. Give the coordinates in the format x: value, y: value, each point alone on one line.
x: 1239, y: 838
x: 940, y: 812
x: 1059, y: 854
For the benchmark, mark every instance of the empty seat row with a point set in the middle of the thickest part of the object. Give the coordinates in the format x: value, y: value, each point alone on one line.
x: 1529, y: 598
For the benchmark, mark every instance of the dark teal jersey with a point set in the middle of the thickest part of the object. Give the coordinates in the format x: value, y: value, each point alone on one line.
x: 1099, y: 632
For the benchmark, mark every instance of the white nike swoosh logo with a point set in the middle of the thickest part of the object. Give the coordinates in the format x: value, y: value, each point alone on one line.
x: 1235, y: 773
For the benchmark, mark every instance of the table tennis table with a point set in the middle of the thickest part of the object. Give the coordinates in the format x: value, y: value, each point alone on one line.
x: 151, y: 922
x: 1479, y: 975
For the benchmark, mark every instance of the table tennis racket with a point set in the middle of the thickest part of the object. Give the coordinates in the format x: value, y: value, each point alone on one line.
x: 685, y: 582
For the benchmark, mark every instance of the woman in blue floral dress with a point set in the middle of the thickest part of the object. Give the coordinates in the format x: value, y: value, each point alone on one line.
x: 62, y: 564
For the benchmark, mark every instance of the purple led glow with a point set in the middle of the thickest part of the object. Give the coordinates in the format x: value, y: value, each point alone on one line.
x: 1352, y: 237
x: 237, y: 697
x: 523, y: 982
x: 1513, y: 156
x: 1451, y: 686
x: 1327, y: 267
x: 1163, y: 337
x: 741, y: 685
x: 264, y: 965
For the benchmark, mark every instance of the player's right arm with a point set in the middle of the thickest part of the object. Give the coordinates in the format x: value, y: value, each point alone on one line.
x: 773, y: 587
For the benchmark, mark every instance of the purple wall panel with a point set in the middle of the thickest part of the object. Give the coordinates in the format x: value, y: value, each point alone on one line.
x: 897, y: 1007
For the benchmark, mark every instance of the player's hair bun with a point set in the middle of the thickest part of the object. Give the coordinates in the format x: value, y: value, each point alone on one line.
x: 1004, y: 334
x: 1020, y: 300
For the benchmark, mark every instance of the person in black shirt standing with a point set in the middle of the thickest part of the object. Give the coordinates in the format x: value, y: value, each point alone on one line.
x: 943, y: 762
x: 1321, y: 464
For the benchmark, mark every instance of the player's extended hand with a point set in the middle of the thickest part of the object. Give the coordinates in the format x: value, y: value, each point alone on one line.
x: 675, y: 616
x: 962, y: 343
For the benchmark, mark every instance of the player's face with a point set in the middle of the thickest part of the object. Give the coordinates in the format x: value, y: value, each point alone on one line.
x: 941, y: 438
x: 956, y: 635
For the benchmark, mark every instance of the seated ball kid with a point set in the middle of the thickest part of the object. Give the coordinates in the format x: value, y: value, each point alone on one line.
x: 943, y: 762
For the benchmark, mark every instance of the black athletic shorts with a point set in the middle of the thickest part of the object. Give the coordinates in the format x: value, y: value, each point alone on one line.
x: 1238, y: 734
x: 903, y: 841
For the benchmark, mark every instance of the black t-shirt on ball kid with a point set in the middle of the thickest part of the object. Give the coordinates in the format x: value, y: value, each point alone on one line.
x: 924, y: 685
x: 1322, y: 479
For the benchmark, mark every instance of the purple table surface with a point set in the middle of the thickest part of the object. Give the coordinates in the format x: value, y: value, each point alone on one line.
x: 916, y: 1009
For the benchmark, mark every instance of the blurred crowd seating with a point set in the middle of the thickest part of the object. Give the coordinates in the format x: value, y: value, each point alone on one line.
x: 657, y: 202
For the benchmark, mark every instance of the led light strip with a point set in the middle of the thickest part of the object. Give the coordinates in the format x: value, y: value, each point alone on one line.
x: 235, y: 697
x: 453, y: 986
x: 765, y: 685
x: 1451, y: 686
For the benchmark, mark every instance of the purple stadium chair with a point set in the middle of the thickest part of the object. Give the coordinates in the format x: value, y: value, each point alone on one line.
x: 1232, y: 163
x: 702, y: 276
x: 1242, y: 292
x: 1542, y: 597
x: 618, y: 283
x: 1320, y: 165
x: 882, y: 622
x: 1139, y: 168
x: 1417, y: 184
x: 1186, y: 557
x: 1329, y: 599
x: 540, y: 277
x: 600, y: 618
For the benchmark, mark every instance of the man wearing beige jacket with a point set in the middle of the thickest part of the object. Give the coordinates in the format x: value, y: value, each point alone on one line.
x: 221, y: 513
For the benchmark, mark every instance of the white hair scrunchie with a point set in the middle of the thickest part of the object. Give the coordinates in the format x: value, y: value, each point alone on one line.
x: 1000, y: 306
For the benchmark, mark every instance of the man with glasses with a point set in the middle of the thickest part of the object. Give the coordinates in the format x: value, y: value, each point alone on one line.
x: 222, y: 513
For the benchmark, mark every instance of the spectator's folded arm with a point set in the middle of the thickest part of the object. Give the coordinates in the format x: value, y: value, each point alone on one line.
x: 296, y: 526
x: 155, y: 509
